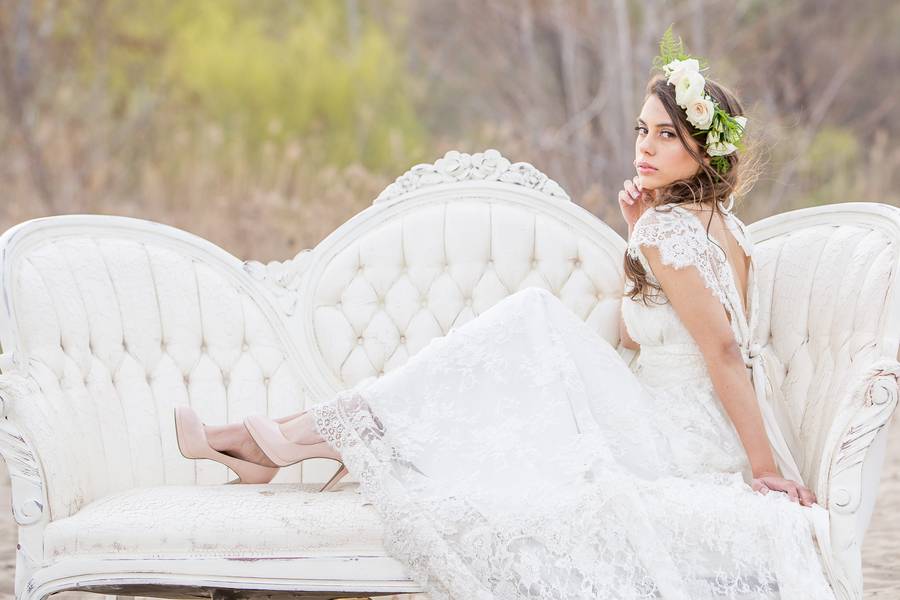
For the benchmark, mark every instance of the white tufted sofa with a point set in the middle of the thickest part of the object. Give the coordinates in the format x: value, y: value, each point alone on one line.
x: 107, y: 322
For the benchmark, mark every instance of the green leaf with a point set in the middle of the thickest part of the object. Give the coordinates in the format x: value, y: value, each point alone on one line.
x: 672, y: 48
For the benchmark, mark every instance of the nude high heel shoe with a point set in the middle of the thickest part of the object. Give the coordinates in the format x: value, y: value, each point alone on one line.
x: 281, y: 451
x: 192, y: 443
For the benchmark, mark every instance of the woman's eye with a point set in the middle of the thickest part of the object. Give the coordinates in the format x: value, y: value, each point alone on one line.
x: 641, y: 130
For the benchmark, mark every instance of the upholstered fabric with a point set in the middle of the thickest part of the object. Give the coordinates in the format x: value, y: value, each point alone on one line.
x: 824, y: 302
x: 384, y: 294
x: 219, y: 521
x: 116, y: 327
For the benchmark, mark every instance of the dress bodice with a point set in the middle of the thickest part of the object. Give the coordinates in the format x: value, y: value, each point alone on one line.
x: 669, y: 356
x: 668, y: 351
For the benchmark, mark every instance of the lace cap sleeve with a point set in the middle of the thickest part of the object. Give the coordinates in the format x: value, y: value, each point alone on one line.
x: 681, y: 243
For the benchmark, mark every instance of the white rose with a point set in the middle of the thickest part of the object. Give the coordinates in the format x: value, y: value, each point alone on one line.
x: 700, y: 113
x: 720, y: 148
x: 677, y: 69
x: 689, y: 88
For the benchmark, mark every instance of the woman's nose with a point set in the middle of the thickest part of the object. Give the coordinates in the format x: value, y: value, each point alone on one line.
x: 645, y: 145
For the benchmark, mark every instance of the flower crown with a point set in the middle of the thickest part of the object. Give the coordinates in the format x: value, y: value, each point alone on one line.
x: 723, y: 131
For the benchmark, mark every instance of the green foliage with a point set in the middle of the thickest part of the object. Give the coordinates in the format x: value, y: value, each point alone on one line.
x: 278, y: 72
x: 833, y: 166
x: 724, y: 127
x: 672, y: 48
x: 273, y: 76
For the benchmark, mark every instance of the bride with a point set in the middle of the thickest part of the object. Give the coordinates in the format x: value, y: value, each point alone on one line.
x: 520, y: 457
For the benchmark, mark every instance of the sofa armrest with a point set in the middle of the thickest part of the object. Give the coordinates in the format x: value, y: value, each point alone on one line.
x: 854, y: 468
x: 23, y: 465
x: 29, y: 504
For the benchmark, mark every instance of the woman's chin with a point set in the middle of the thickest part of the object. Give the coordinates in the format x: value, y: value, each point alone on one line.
x: 649, y: 181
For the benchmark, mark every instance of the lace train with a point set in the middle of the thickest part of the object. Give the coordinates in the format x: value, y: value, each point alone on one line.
x: 519, y: 457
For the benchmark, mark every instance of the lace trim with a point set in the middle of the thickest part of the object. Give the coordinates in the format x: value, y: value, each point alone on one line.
x: 680, y: 245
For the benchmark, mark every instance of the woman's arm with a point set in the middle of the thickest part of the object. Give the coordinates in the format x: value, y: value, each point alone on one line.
x: 705, y: 318
x: 623, y: 331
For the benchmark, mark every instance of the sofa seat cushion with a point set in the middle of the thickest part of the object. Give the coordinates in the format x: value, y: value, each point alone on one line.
x: 275, y: 519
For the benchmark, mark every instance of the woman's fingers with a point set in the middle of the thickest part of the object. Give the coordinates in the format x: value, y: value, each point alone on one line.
x: 624, y: 198
x: 792, y: 493
x: 631, y: 188
x: 784, y: 485
x: 807, y: 498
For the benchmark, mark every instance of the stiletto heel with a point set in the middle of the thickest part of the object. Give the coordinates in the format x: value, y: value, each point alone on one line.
x: 281, y: 451
x: 335, y: 478
x: 192, y: 443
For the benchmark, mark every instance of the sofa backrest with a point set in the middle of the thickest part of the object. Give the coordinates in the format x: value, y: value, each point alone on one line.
x: 117, y: 320
x: 830, y: 307
x: 439, y: 246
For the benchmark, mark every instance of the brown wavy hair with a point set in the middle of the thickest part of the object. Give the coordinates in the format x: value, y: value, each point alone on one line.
x: 707, y: 186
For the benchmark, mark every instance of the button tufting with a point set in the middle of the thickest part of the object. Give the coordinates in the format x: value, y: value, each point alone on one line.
x: 533, y: 264
x: 245, y: 346
x: 266, y: 380
x: 359, y: 340
x: 187, y: 379
x: 468, y: 302
x: 402, y: 339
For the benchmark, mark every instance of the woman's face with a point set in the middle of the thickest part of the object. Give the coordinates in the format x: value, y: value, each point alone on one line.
x: 659, y: 156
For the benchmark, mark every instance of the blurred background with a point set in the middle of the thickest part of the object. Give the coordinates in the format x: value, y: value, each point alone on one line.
x: 262, y: 125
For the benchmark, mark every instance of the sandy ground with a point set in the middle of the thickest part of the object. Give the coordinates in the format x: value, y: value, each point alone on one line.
x: 881, y: 550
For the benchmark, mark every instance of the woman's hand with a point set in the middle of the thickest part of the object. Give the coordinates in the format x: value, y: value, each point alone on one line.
x: 633, y: 200
x: 773, y: 481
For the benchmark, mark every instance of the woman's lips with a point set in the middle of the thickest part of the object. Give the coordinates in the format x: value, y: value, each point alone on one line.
x: 643, y: 168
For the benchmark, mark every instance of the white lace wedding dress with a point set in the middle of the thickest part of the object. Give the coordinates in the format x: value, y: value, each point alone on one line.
x: 519, y: 456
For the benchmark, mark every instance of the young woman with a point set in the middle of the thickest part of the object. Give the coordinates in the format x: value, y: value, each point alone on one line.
x: 520, y: 457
